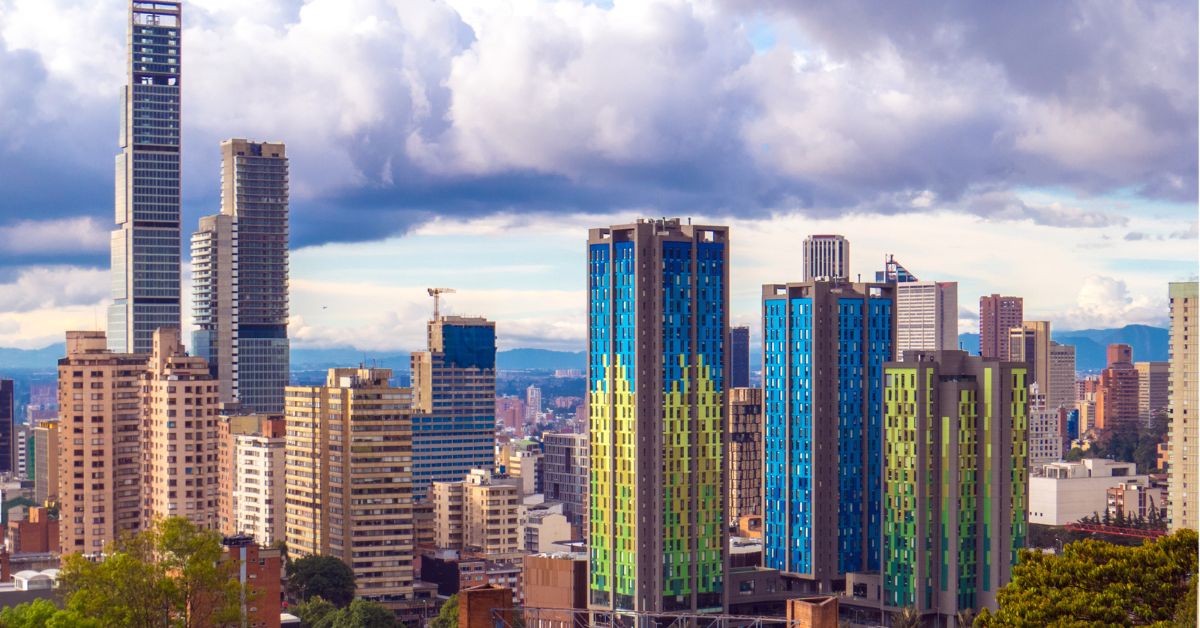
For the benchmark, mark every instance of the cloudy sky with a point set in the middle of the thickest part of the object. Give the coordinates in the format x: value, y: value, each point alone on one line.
x: 1043, y: 149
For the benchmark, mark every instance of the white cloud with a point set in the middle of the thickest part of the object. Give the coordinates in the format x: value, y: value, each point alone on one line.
x: 1107, y: 302
x: 39, y: 288
x: 41, y: 237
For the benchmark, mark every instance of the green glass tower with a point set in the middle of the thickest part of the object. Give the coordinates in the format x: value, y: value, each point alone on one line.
x: 658, y: 320
x: 955, y: 479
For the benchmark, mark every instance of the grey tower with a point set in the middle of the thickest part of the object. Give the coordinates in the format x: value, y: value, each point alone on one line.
x: 145, y: 244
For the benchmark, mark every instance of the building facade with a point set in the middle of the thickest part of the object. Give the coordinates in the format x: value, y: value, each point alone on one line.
x: 454, y: 396
x: 145, y: 245
x: 45, y: 462
x: 1030, y: 343
x: 658, y: 321
x: 926, y: 316
x: 490, y: 514
x: 348, y: 478
x: 826, y: 257
x: 824, y: 347
x: 955, y: 494
x: 997, y: 315
x: 8, y: 411
x: 1061, y: 389
x: 258, y: 498
x: 1062, y: 493
x: 566, y: 469
x: 1047, y: 430
x: 745, y: 453
x: 99, y: 443
x: 1183, y: 406
x: 1153, y: 386
x: 1117, y: 392
x: 739, y: 357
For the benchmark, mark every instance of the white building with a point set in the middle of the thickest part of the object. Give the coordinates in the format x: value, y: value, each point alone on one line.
x: 926, y: 316
x: 258, y: 496
x: 1065, y: 492
x: 1045, y: 436
x: 826, y: 257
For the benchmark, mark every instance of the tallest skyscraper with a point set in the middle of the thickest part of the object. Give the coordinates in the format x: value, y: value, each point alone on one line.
x: 145, y: 244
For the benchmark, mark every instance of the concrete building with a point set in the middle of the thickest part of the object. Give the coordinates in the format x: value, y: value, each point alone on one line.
x: 527, y: 468
x: 510, y: 415
x: 997, y: 315
x: 37, y: 534
x: 926, y: 316
x: 8, y: 411
x: 491, y: 512
x: 826, y: 257
x: 1065, y: 492
x: 954, y: 517
x: 739, y: 357
x: 745, y: 468
x: 179, y: 435
x: 565, y: 476
x: 533, y: 404
x: 556, y: 590
x: 1184, y: 431
x: 1046, y: 430
x: 258, y: 496
x: 240, y: 277
x: 1117, y: 393
x: 1153, y: 385
x: 1030, y: 343
x: 145, y: 245
x: 658, y: 321
x: 347, y: 440
x: 825, y: 344
x: 543, y: 528
x: 23, y: 466
x: 45, y: 462
x: 454, y: 399
x: 1134, y: 499
x: 448, y: 513
x: 99, y: 443
x: 1060, y: 392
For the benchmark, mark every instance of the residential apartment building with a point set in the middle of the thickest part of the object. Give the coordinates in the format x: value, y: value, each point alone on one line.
x: 258, y: 497
x: 824, y: 347
x: 1047, y: 430
x: 490, y: 514
x: 1030, y: 343
x: 565, y: 476
x: 658, y: 321
x: 997, y: 315
x: 1117, y: 393
x: 1184, y: 436
x: 745, y: 467
x: 1153, y: 390
x: 45, y: 462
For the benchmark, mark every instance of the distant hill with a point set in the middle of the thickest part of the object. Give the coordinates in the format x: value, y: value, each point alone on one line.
x: 319, y: 359
x: 1149, y: 344
x: 540, y: 359
x: 44, y: 358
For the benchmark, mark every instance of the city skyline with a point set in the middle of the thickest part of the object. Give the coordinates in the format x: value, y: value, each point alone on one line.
x: 1115, y: 227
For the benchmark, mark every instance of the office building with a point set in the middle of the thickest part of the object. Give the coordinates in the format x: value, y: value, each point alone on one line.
x: 240, y: 277
x: 565, y: 478
x: 926, y: 316
x: 1046, y: 429
x: 1062, y: 493
x: 826, y: 257
x: 179, y: 435
x: 739, y: 357
x: 346, y: 440
x: 258, y: 496
x: 8, y: 410
x: 454, y: 398
x: 1029, y: 342
x: 1153, y: 385
x: 45, y: 462
x: 745, y: 453
x: 825, y: 344
x: 145, y: 244
x: 1117, y: 391
x: 1183, y: 406
x: 955, y: 489
x: 658, y: 321
x: 533, y: 404
x: 23, y: 452
x: 99, y: 443
x: 997, y: 315
x: 1061, y: 390
x: 893, y: 272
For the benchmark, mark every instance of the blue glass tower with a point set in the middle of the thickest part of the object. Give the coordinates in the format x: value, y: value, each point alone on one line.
x: 824, y: 347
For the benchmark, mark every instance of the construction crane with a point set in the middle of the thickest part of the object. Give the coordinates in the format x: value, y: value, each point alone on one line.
x: 437, y: 293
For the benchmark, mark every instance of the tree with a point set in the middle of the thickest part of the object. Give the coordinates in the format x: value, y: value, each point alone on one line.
x: 365, y: 614
x: 965, y: 618
x: 447, y: 616
x: 313, y: 610
x: 326, y: 576
x: 907, y: 617
x: 1097, y: 583
x: 207, y: 585
x: 43, y: 613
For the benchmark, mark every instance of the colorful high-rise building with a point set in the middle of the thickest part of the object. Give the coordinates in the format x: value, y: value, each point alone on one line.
x: 998, y: 315
x: 658, y: 323
x: 145, y: 244
x: 926, y: 316
x: 739, y: 357
x: 1183, y: 438
x: 454, y: 398
x: 826, y: 257
x: 240, y: 278
x: 955, y: 496
x: 1153, y: 386
x: 1117, y: 392
x: 824, y: 347
x: 745, y: 453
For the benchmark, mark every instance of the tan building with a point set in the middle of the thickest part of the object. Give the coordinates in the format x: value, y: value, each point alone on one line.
x: 555, y: 590
x: 45, y: 462
x: 1060, y: 392
x: 447, y: 498
x: 745, y: 453
x: 1030, y: 343
x: 230, y: 425
x: 1117, y: 393
x: 99, y: 443
x: 258, y: 472
x: 491, y: 509
x: 348, y: 478
x: 179, y: 435
x: 1153, y: 384
x: 1183, y: 407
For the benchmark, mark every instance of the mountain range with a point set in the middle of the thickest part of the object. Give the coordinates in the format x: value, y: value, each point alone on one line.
x: 1149, y: 344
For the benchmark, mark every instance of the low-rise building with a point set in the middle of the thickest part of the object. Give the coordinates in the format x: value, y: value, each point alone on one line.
x: 1065, y: 492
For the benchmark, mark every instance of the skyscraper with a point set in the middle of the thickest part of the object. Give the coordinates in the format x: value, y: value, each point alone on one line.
x: 824, y: 347
x: 739, y: 357
x: 955, y: 500
x: 1061, y: 390
x: 1183, y: 405
x: 926, y: 316
x: 826, y: 257
x: 533, y: 404
x: 997, y: 315
x: 1029, y: 342
x: 658, y: 321
x: 45, y: 462
x: 1153, y: 384
x: 1117, y: 392
x: 240, y: 277
x: 349, y: 480
x: 8, y: 410
x: 145, y: 244
x: 454, y: 399
x: 745, y: 453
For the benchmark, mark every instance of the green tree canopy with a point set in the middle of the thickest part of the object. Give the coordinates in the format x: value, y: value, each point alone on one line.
x: 313, y: 610
x: 447, y: 616
x: 44, y: 614
x: 326, y: 576
x: 1093, y: 583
